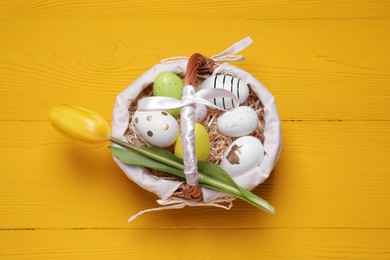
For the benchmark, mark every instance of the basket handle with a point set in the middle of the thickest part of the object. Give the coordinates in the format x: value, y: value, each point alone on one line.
x: 197, y: 65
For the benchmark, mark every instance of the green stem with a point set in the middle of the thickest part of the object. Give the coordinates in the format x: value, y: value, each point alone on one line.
x: 247, y: 196
x: 147, y: 153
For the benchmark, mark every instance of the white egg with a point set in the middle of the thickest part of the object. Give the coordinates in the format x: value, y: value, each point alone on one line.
x: 200, y: 112
x: 230, y: 83
x: 156, y: 127
x: 242, y: 155
x: 240, y: 121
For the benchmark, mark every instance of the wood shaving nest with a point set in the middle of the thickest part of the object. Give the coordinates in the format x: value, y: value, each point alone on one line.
x: 218, y: 142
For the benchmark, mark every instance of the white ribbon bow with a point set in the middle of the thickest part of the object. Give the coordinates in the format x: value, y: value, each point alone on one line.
x: 227, y: 55
x: 158, y: 103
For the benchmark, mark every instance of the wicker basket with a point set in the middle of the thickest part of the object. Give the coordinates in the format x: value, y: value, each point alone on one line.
x: 174, y: 193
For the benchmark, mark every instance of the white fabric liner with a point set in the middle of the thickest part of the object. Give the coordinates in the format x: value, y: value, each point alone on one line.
x: 165, y: 188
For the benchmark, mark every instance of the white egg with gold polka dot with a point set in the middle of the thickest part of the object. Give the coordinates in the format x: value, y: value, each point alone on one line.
x: 157, y: 127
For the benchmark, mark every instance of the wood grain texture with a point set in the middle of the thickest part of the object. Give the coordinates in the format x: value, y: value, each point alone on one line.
x: 210, y: 243
x: 327, y: 64
x: 317, y: 70
x: 200, y: 9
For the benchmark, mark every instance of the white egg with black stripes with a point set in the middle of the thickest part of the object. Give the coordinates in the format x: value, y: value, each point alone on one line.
x: 229, y: 83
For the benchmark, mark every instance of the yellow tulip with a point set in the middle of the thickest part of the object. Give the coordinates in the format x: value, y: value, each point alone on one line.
x: 80, y: 124
x: 88, y: 126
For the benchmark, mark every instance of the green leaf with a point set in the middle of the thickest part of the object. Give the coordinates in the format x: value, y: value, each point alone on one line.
x: 163, y: 153
x: 134, y: 158
x: 210, y: 175
x: 149, y: 153
x: 218, y: 177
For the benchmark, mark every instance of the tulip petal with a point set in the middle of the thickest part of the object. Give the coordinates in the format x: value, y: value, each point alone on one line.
x: 80, y: 124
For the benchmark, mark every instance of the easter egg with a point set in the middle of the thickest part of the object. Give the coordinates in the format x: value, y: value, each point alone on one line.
x: 242, y: 155
x: 156, y: 127
x: 230, y: 83
x: 202, y: 143
x: 168, y: 84
x: 200, y: 112
x: 240, y: 121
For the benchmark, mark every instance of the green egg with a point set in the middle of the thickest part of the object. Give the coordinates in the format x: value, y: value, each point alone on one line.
x: 168, y: 84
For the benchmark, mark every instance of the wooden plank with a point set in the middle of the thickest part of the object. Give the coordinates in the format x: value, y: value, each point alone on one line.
x: 330, y: 175
x: 317, y: 69
x: 326, y: 63
x: 201, y: 9
x: 196, y: 244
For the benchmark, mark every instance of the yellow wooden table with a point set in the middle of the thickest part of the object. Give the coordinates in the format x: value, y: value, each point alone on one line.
x: 327, y: 64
